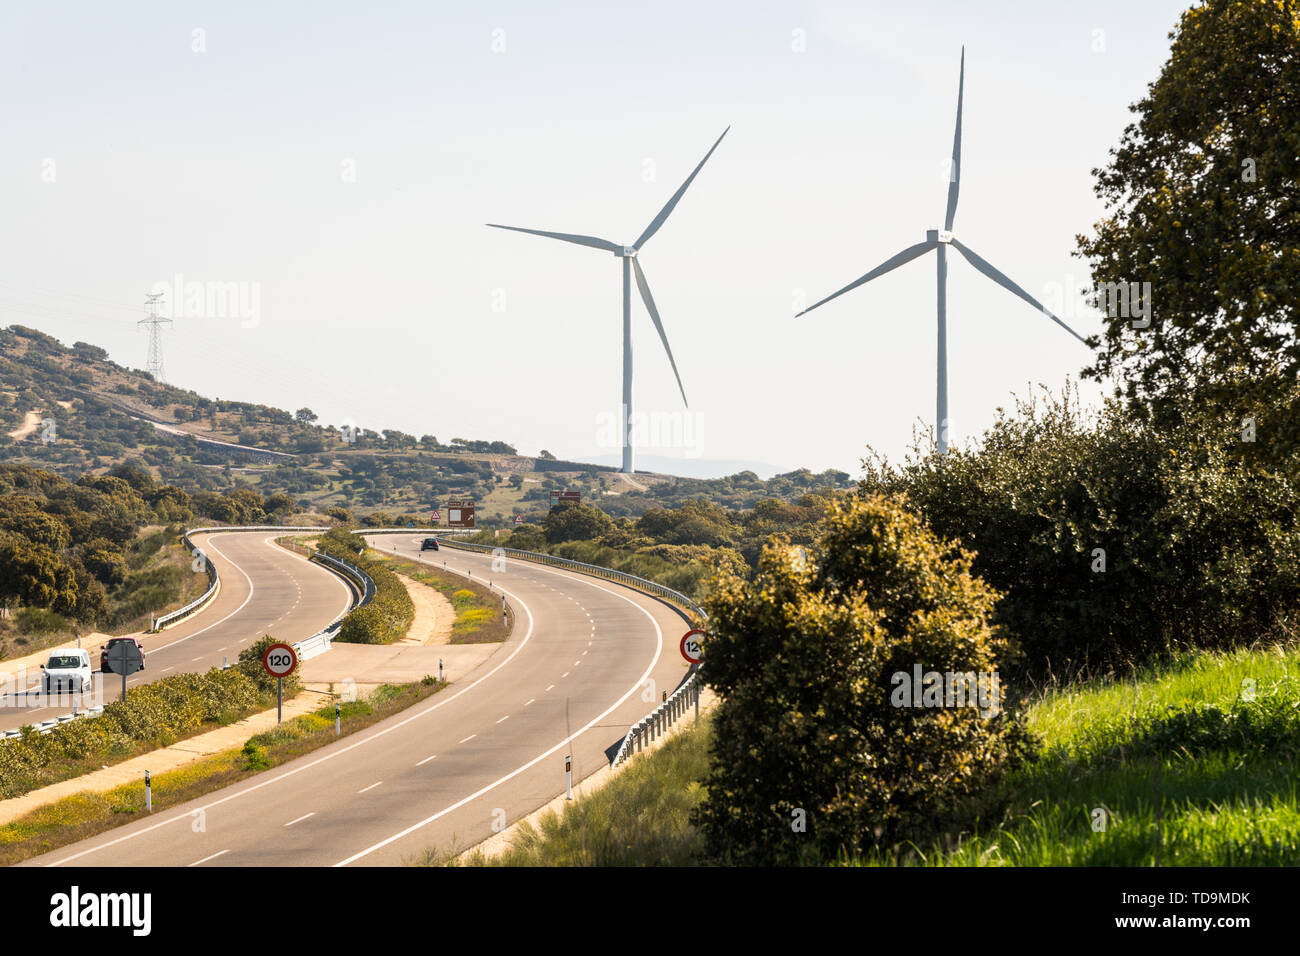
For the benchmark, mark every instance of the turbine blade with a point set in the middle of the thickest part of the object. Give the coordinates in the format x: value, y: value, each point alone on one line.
x: 649, y: 301
x: 907, y: 255
x: 986, y: 268
x: 567, y: 237
x: 954, y: 179
x: 651, y: 229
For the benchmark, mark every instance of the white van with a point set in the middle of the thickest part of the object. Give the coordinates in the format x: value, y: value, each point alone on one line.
x: 67, y: 668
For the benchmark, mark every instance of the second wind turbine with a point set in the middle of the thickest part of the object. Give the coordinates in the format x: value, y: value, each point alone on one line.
x: 630, y: 263
x: 939, y: 240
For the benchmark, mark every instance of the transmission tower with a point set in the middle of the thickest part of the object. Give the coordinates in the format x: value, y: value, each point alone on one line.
x: 155, y: 323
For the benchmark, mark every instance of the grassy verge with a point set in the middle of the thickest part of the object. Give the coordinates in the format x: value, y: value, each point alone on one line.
x: 83, y: 815
x: 478, y: 610
x: 1190, y: 764
x: 640, y: 818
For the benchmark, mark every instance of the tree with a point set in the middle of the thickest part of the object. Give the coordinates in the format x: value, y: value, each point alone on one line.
x: 304, y: 416
x: 546, y: 455
x: 575, y: 522
x: 35, y: 575
x: 814, y: 752
x: 1203, y: 204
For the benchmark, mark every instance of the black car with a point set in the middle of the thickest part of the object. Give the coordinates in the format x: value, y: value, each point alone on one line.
x: 429, y: 544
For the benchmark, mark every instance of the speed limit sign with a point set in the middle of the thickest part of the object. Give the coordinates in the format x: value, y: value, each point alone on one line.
x: 691, y: 647
x: 279, y: 660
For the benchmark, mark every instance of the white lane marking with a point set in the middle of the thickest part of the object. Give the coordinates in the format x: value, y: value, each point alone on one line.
x: 564, y: 675
x: 549, y: 686
x: 206, y: 858
x: 640, y: 682
x: 529, y: 701
x: 166, y: 669
x: 371, y: 787
x: 209, y: 542
x: 469, y: 738
x: 506, y: 717
x: 188, y: 815
x: 193, y: 659
x: 421, y: 763
x: 219, y: 649
x: 301, y: 818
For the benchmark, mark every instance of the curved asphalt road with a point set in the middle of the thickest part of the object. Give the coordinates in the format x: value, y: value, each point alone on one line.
x: 264, y: 590
x: 586, y: 659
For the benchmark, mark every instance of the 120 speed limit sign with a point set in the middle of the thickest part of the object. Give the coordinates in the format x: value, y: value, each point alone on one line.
x: 692, y: 649
x: 279, y: 660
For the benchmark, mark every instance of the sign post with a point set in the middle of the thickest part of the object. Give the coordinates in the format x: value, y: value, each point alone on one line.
x: 279, y: 660
x: 124, y: 658
x: 568, y: 777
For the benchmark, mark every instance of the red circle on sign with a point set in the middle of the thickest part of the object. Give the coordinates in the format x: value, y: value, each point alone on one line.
x: 692, y: 650
x: 283, y: 663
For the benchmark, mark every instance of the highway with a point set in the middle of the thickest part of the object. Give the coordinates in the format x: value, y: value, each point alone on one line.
x: 264, y: 590
x: 586, y: 658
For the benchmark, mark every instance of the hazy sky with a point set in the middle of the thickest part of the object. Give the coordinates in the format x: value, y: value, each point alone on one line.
x: 335, y: 163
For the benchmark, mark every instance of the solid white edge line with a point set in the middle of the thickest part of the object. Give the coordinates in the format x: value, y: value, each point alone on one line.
x: 659, y: 635
x: 189, y: 814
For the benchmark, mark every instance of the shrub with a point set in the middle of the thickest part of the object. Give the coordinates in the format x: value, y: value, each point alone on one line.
x: 806, y: 658
x: 1199, y: 547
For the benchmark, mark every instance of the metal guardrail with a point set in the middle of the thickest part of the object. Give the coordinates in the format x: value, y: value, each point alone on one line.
x: 658, y: 721
x: 675, y: 705
x: 654, y: 588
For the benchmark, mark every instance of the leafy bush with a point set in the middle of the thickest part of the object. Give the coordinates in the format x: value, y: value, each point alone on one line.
x: 390, y: 612
x: 1115, y: 541
x: 810, y: 730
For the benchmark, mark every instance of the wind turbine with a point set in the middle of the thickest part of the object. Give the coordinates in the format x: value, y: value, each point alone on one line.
x: 630, y: 263
x: 939, y: 240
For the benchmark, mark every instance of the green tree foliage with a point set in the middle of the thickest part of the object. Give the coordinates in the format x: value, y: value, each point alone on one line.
x: 35, y: 575
x: 1114, y: 540
x: 811, y: 757
x: 1203, y: 203
x: 575, y: 522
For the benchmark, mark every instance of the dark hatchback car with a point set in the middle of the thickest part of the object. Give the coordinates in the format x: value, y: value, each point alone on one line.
x: 429, y: 544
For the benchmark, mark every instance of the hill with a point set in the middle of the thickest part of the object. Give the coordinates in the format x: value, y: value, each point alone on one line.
x: 73, y: 411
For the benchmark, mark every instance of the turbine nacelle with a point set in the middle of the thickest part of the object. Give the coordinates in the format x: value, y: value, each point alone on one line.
x: 626, y: 252
x: 939, y: 235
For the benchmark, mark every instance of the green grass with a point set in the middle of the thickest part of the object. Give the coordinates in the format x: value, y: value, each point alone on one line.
x: 1177, y: 766
x: 83, y: 815
x: 640, y: 818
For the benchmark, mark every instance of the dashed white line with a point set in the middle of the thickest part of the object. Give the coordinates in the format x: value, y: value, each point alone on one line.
x: 371, y: 787
x: 564, y: 675
x: 206, y: 858
x: 506, y: 717
x: 301, y: 818
x: 421, y: 763
x: 529, y: 701
x: 550, y: 686
x: 469, y: 738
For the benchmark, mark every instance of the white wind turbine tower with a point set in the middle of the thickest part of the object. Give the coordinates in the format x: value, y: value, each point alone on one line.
x: 939, y: 240
x: 630, y: 262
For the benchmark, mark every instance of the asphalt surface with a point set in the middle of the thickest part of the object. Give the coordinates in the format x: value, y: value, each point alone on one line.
x: 586, y: 658
x: 264, y: 590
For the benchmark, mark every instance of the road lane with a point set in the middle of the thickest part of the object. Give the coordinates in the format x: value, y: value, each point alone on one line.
x: 265, y: 589
x: 449, y: 771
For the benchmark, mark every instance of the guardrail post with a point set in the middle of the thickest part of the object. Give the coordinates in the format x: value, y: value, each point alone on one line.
x: 148, y: 794
x: 338, y: 725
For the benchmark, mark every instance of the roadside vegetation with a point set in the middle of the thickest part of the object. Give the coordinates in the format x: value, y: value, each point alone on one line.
x: 390, y: 612
x: 478, y: 610
x: 154, y: 715
x: 642, y: 817
x: 83, y: 815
